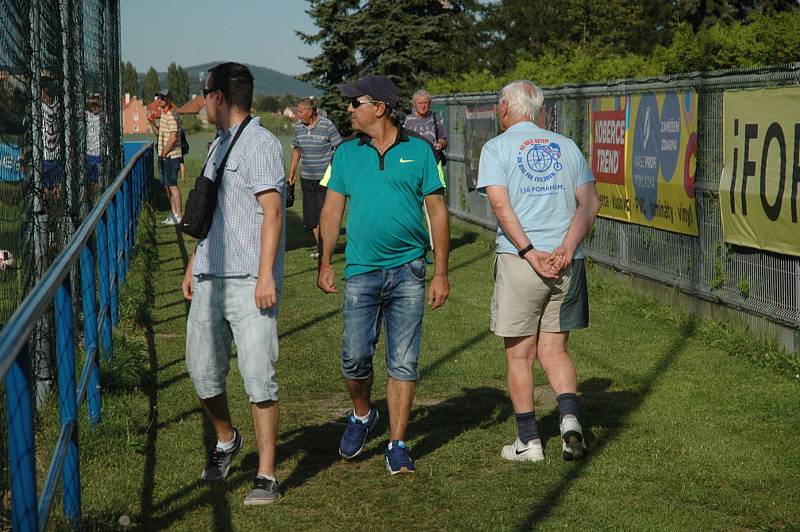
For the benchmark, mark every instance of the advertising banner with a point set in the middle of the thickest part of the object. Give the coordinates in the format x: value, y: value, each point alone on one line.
x: 9, y: 163
x: 758, y: 189
x: 481, y: 125
x: 661, y: 160
x: 607, y: 157
x: 653, y: 183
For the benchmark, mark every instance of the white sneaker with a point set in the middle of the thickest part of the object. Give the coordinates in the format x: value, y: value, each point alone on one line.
x: 314, y: 255
x: 520, y: 452
x: 572, y: 438
x: 171, y: 220
x: 167, y: 220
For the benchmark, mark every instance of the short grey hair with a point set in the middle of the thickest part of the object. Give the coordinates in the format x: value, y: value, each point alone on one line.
x: 422, y: 93
x: 308, y: 103
x: 524, y: 98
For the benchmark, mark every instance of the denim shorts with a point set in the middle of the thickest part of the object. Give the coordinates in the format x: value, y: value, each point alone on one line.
x: 168, y: 170
x: 397, y: 296
x: 224, y: 309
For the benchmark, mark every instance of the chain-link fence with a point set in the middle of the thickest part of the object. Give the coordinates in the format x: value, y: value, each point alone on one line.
x: 60, y: 145
x: 702, y: 266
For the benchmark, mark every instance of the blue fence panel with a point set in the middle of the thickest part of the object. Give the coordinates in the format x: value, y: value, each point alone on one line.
x: 110, y: 229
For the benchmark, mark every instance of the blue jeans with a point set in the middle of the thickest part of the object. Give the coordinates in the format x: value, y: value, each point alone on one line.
x: 396, y: 295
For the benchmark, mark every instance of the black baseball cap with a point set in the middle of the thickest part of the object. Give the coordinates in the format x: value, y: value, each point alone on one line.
x: 380, y: 88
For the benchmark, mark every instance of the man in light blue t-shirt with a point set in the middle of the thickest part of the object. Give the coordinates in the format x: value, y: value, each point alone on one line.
x: 543, y: 194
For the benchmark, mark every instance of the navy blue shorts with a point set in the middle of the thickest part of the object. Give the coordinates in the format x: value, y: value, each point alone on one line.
x: 168, y: 170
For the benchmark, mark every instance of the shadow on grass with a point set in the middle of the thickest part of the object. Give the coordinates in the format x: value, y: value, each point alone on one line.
x: 607, y: 409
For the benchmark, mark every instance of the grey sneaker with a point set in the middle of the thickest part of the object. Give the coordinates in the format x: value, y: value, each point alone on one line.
x: 572, y: 438
x: 219, y: 461
x: 265, y: 491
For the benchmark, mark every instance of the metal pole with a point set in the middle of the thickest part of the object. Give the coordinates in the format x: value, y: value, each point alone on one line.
x: 21, y: 451
x: 90, y: 332
x: 67, y: 400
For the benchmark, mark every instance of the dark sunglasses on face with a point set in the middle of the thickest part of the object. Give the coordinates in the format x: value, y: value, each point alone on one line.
x: 207, y: 91
x: 356, y: 103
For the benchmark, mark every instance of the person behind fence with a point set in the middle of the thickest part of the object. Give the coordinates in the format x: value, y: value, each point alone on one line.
x: 234, y: 279
x: 543, y: 193
x: 426, y: 123
x: 52, y: 142
x: 315, y: 139
x: 385, y: 174
x: 92, y: 143
x: 169, y: 152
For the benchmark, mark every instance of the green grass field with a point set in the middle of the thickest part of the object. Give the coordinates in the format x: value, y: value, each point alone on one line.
x: 682, y: 435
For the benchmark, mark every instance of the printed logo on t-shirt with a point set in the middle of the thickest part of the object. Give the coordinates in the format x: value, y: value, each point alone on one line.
x: 539, y: 160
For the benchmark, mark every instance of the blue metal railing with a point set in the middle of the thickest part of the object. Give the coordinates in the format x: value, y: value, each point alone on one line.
x: 109, y: 229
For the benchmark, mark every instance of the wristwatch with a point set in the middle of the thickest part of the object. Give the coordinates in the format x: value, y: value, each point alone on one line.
x: 524, y: 250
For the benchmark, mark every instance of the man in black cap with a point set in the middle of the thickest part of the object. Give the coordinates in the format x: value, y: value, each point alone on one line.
x: 387, y: 175
x: 169, y: 152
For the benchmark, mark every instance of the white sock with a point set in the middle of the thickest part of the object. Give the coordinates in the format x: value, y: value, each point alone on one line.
x: 362, y: 419
x: 227, y: 446
x: 268, y: 477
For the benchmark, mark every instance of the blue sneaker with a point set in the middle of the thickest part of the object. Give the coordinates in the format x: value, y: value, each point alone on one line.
x: 397, y: 460
x: 355, y: 436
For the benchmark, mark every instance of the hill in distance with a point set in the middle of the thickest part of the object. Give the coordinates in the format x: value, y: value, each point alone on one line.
x: 266, y: 81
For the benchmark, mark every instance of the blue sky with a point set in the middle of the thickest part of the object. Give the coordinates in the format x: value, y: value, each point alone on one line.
x: 192, y: 32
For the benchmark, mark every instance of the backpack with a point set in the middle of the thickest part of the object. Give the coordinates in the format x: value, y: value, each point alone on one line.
x: 184, y: 143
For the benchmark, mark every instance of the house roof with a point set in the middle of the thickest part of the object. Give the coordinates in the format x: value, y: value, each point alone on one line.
x: 131, y: 102
x: 193, y: 106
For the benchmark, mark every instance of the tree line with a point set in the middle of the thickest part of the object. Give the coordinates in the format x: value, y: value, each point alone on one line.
x: 177, y: 82
x: 469, y: 45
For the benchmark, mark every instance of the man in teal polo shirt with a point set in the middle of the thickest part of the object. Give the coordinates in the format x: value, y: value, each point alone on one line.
x: 386, y: 174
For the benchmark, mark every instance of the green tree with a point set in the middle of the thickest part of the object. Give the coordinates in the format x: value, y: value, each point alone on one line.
x: 178, y: 83
x: 151, y: 84
x: 406, y: 40
x: 130, y: 79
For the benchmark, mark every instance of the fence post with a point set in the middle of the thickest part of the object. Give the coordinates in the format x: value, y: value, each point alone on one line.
x: 119, y: 258
x: 68, y: 406
x: 90, y: 333
x: 113, y: 277
x: 21, y: 454
x: 103, y: 276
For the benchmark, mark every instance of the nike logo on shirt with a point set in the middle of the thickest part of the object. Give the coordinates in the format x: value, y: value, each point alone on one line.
x: 406, y: 160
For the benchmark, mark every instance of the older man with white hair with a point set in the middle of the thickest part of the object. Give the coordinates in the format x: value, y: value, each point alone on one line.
x: 543, y: 194
x: 426, y: 123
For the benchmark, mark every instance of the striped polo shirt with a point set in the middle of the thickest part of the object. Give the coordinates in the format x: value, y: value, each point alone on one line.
x: 316, y: 146
x: 169, y: 124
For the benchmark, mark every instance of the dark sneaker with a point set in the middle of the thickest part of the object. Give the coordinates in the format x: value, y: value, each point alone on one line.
x: 355, y: 436
x: 219, y: 461
x: 265, y: 491
x: 397, y: 460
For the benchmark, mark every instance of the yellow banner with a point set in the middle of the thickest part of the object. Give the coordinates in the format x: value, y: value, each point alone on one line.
x: 607, y: 155
x: 758, y: 189
x: 661, y: 161
x: 643, y: 156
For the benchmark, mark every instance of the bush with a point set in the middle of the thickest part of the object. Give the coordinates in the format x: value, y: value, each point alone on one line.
x: 191, y: 124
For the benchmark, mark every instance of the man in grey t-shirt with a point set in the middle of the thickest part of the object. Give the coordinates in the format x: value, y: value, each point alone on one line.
x: 425, y: 123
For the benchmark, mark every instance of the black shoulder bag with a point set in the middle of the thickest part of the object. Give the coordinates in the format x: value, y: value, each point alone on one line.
x: 440, y: 153
x: 199, y: 210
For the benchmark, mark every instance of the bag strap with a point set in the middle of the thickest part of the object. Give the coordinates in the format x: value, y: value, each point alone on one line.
x: 221, y: 167
x: 435, y: 127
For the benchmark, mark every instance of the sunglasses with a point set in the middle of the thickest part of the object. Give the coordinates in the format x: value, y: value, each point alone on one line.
x: 356, y: 103
x: 207, y: 91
